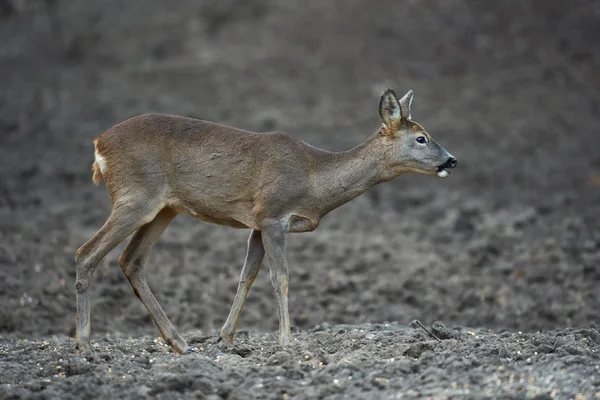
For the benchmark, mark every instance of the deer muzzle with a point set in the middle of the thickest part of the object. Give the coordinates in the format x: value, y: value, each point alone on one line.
x: 449, y: 164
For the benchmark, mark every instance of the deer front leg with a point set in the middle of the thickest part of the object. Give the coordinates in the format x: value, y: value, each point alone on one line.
x: 273, y: 236
x: 254, y: 257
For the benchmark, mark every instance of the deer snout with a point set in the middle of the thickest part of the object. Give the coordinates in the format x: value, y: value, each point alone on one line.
x: 450, y: 163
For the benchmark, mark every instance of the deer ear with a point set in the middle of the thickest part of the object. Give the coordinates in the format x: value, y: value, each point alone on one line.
x: 389, y: 108
x: 405, y: 103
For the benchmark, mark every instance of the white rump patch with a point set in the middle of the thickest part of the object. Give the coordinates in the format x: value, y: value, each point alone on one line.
x: 100, y: 160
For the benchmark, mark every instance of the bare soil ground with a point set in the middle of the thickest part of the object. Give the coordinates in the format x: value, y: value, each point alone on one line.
x: 364, y: 361
x: 509, y: 243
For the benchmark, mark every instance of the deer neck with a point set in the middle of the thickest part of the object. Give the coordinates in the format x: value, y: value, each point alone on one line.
x: 340, y: 177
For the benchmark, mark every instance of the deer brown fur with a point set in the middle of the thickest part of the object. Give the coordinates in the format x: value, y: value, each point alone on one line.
x: 157, y: 166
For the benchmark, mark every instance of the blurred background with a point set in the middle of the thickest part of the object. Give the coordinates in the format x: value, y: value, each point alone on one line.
x: 511, y: 240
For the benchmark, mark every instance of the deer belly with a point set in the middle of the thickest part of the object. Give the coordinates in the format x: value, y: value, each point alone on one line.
x: 234, y: 223
x: 220, y: 217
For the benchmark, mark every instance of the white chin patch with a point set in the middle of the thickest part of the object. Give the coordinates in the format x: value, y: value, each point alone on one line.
x: 443, y: 173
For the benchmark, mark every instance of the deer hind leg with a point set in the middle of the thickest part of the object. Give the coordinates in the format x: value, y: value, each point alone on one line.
x: 254, y: 257
x: 132, y: 263
x: 124, y: 219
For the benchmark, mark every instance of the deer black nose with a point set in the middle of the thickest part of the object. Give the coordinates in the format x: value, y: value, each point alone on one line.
x: 450, y: 163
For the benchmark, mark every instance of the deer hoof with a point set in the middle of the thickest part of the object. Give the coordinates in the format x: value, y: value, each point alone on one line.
x: 225, y: 339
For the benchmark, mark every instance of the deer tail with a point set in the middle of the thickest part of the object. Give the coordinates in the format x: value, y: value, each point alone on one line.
x: 97, y: 175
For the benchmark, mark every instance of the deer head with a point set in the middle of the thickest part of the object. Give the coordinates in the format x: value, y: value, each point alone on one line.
x: 408, y: 147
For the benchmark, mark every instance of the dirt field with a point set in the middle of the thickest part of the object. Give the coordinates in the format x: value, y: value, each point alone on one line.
x: 509, y: 243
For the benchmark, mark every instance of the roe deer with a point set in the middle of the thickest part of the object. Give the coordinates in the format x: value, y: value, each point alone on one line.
x: 157, y: 166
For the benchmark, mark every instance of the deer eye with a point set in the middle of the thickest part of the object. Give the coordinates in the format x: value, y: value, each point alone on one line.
x: 422, y: 139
